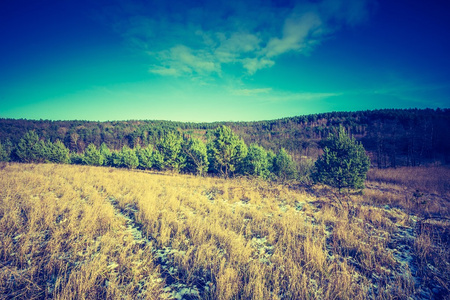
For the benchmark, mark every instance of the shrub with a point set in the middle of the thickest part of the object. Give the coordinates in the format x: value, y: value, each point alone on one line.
x: 344, y: 163
x: 225, y: 151
x: 284, y: 166
x: 30, y: 148
x: 92, y: 156
x: 196, y: 156
x: 144, y: 156
x: 129, y: 158
x: 256, y: 162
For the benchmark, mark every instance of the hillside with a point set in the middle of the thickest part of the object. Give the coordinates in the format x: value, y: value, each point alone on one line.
x: 82, y: 232
x: 393, y: 137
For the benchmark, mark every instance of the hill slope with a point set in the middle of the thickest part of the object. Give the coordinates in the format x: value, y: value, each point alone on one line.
x: 393, y: 137
x: 78, y: 231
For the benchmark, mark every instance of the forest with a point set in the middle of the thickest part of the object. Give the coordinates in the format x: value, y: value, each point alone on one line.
x: 392, y: 137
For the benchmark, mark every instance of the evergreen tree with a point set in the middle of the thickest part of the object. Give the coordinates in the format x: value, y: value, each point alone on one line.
x: 144, y: 156
x: 92, y: 156
x: 157, y: 160
x: 106, y: 153
x: 170, y: 149
x: 225, y: 151
x: 196, y: 156
x: 284, y: 166
x: 76, y: 158
x: 344, y: 163
x: 115, y: 160
x: 129, y: 158
x: 4, y: 153
x: 57, y: 152
x: 256, y: 162
x: 270, y: 161
x: 30, y: 148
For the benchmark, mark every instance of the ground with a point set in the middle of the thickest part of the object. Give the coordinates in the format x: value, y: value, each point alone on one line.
x: 74, y: 232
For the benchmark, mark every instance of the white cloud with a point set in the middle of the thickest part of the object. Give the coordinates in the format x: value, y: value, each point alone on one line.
x: 302, y: 97
x: 191, y: 38
x: 254, y: 64
x: 181, y: 60
x: 251, y: 92
x: 296, y: 32
x: 164, y: 71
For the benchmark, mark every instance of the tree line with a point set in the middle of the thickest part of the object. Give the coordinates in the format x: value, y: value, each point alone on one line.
x: 344, y: 162
x: 225, y: 154
x: 393, y: 137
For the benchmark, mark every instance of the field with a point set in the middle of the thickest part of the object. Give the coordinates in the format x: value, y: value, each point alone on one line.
x: 80, y: 232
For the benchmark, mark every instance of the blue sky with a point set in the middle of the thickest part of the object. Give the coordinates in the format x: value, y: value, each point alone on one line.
x: 220, y: 60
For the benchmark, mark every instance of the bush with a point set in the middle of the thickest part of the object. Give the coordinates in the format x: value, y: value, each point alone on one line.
x: 129, y: 158
x: 92, y: 156
x: 225, y: 151
x: 283, y: 166
x: 256, y: 162
x: 4, y: 153
x: 169, y: 147
x: 57, y: 153
x: 31, y: 149
x: 344, y: 163
x: 196, y: 156
x: 144, y: 156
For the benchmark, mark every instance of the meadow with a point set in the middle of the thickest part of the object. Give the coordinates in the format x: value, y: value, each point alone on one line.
x: 84, y: 232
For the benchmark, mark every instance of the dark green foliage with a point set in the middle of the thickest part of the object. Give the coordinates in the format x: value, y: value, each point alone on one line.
x: 157, y: 160
x: 225, y: 151
x: 256, y: 163
x: 76, y: 158
x: 395, y: 137
x: 144, y: 156
x: 129, y: 158
x: 30, y: 148
x: 57, y: 152
x: 92, y: 156
x: 4, y: 153
x: 169, y: 147
x: 344, y: 163
x: 270, y: 160
x: 196, y: 156
x: 284, y: 166
x: 106, y: 153
x: 115, y: 159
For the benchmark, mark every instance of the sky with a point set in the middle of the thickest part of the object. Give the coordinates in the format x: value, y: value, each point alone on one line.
x: 205, y: 61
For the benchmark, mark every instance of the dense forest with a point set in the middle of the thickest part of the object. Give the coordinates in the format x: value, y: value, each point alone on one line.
x: 393, y: 137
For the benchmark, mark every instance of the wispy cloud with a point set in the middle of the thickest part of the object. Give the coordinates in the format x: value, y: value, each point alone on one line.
x: 251, y: 92
x: 276, y: 96
x: 301, y: 97
x: 183, y: 60
x: 200, y: 38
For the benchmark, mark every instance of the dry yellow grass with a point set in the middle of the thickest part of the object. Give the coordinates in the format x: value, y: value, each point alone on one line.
x: 73, y: 232
x: 424, y: 191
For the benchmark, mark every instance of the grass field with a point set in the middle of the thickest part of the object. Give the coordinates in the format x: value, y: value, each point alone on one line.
x: 78, y: 232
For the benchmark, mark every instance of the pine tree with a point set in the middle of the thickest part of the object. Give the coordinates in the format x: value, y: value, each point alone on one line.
x: 225, y: 151
x: 170, y: 149
x: 129, y: 158
x: 106, y: 153
x: 196, y: 156
x: 344, y: 163
x: 284, y: 166
x: 30, y: 148
x: 57, y: 152
x: 144, y: 156
x: 256, y: 162
x: 4, y: 153
x: 92, y: 156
